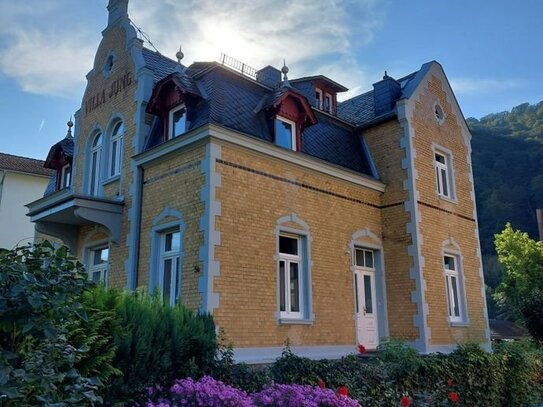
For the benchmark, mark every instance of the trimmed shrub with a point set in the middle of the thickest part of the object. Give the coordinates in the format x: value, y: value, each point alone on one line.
x: 158, y: 343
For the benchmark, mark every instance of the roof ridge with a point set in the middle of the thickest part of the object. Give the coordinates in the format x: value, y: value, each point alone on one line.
x: 23, y: 157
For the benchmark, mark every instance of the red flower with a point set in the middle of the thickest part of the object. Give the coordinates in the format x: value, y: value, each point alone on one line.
x: 361, y: 348
x: 343, y: 391
x: 450, y: 382
x: 453, y: 396
x: 321, y: 383
x: 405, y: 401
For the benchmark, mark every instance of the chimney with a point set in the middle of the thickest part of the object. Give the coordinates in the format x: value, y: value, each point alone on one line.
x: 385, y: 94
x: 118, y: 9
x: 539, y: 215
x: 269, y: 76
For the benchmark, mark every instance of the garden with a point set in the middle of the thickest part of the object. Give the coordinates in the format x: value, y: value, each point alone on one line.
x: 67, y: 342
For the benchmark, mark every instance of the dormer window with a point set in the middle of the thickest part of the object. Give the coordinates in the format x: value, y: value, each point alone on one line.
x: 285, y: 133
x: 65, y: 176
x: 318, y: 99
x: 328, y: 103
x: 177, y: 122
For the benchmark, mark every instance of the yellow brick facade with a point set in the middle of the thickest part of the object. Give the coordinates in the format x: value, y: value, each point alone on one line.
x: 231, y: 197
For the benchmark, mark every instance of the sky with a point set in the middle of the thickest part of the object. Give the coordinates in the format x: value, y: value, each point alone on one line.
x: 492, y: 52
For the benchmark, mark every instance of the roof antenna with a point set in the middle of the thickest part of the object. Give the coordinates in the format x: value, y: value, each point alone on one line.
x: 70, y: 124
x: 179, y: 55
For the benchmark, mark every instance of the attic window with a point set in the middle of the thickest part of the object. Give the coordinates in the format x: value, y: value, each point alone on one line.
x: 438, y: 112
x: 107, y: 68
x: 318, y: 99
x: 285, y: 133
x: 328, y: 103
x: 177, y: 122
x: 65, y: 176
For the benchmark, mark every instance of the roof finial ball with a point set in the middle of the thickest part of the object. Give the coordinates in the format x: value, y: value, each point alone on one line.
x: 284, y: 71
x: 70, y: 124
x: 179, y: 55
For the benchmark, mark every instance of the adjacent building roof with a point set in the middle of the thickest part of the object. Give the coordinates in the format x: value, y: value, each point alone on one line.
x: 500, y: 330
x: 23, y: 164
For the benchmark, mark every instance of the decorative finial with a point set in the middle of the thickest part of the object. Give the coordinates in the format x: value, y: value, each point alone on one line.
x: 386, y: 75
x: 70, y: 124
x: 284, y: 71
x: 179, y: 55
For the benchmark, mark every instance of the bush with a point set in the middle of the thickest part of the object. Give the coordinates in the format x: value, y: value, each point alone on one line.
x: 285, y: 395
x: 40, y: 362
x: 157, y: 344
x: 533, y: 317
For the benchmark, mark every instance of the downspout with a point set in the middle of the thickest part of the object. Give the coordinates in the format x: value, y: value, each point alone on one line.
x: 135, y: 238
x: 539, y: 215
x: 2, y: 177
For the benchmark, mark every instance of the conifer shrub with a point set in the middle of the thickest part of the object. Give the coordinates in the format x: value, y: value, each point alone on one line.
x: 157, y: 343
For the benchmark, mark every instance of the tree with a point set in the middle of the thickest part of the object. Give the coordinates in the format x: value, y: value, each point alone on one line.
x: 522, y: 283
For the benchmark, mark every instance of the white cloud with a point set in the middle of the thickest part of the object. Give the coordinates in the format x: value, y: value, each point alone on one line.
x: 472, y: 86
x: 48, y: 46
x: 313, y: 37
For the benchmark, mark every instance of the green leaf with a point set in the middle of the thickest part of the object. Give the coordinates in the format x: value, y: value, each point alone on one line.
x: 29, y: 277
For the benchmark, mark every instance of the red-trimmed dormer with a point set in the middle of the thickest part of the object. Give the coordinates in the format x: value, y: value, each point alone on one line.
x: 172, y: 99
x: 291, y: 113
x: 60, y: 159
x: 320, y: 91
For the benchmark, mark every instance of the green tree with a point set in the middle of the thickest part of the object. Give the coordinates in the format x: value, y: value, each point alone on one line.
x: 522, y: 261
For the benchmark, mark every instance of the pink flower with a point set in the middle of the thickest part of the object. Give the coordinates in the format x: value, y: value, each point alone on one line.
x: 405, y: 401
x: 450, y: 382
x: 343, y: 391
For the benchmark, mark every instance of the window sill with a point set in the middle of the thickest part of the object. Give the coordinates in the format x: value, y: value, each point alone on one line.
x: 112, y: 179
x: 295, y: 321
x: 459, y: 324
x: 447, y: 198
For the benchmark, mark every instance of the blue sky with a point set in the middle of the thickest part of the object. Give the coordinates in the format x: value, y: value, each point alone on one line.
x: 492, y: 52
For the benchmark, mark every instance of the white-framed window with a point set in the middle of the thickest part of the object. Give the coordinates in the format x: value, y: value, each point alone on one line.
x: 116, y: 150
x: 454, y: 288
x: 318, y: 98
x: 328, y: 103
x: 95, y: 163
x: 444, y: 177
x: 65, y: 176
x: 285, y: 133
x: 99, y: 264
x: 169, y: 278
x: 291, y: 276
x: 177, y: 121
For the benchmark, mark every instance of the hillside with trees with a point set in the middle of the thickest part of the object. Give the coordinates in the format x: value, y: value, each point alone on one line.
x: 507, y: 155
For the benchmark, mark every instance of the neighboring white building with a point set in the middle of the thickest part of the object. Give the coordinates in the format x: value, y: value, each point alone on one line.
x: 21, y: 180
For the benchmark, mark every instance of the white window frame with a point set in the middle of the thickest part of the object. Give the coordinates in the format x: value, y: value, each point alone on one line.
x: 289, y: 259
x: 102, y: 268
x: 444, y: 171
x: 319, y: 99
x: 175, y: 274
x: 116, y: 154
x: 95, y: 161
x: 328, y: 107
x: 65, y: 176
x: 171, y: 124
x: 453, y: 277
x: 294, y: 143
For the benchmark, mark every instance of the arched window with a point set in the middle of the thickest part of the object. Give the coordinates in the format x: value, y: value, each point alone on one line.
x: 95, y: 159
x: 116, y: 150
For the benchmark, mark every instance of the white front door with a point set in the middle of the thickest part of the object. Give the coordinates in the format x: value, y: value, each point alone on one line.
x: 367, y: 332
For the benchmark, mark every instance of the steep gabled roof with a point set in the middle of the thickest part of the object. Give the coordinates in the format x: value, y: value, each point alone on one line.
x: 25, y: 165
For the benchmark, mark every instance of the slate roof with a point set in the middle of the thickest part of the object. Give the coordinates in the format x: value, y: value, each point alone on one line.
x: 160, y: 65
x: 357, y: 110
x: 23, y: 164
x: 64, y: 147
x: 234, y: 101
